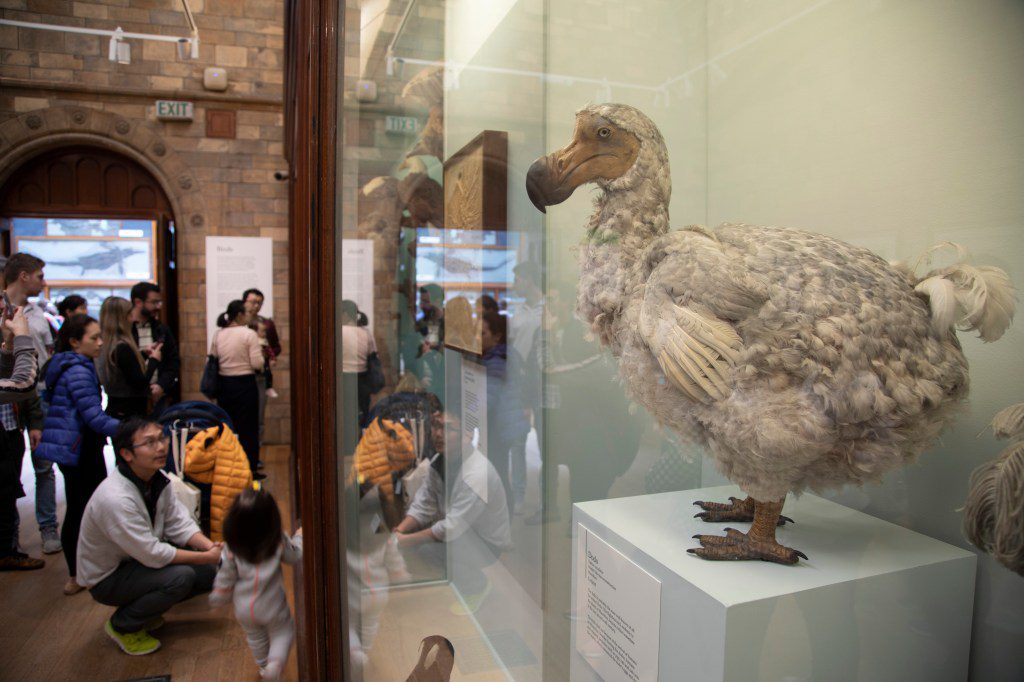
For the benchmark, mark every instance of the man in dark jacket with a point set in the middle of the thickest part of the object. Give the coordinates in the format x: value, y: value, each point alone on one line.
x: 147, y: 330
x: 253, y: 300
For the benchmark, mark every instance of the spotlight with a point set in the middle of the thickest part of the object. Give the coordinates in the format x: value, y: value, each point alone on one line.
x: 119, y: 51
x: 184, y: 46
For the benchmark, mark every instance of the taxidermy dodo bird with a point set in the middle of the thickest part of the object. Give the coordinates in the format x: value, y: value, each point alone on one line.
x: 802, y: 362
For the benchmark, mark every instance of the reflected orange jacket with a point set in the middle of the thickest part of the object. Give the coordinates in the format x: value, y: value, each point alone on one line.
x: 380, y: 453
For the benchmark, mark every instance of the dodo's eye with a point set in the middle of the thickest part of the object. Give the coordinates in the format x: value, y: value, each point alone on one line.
x: 604, y: 132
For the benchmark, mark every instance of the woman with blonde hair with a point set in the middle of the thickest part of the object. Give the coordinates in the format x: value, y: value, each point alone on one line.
x: 124, y: 373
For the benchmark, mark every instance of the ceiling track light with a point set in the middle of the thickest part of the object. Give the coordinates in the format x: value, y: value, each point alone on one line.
x: 118, y: 50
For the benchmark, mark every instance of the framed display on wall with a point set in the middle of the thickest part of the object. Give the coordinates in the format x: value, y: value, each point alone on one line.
x: 92, y: 257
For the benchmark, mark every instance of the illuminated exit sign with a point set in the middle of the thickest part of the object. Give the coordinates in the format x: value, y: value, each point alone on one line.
x: 401, y: 124
x: 170, y: 110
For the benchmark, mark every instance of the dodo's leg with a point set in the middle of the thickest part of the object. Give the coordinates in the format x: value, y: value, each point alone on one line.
x: 735, y: 510
x: 758, y: 543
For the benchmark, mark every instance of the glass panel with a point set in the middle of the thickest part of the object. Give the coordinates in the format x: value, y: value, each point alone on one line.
x: 519, y: 387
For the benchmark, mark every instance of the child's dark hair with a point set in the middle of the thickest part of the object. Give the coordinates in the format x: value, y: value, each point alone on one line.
x: 252, y: 527
x: 72, y: 329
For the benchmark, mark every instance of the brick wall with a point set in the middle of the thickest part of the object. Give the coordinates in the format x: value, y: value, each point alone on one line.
x: 40, y: 70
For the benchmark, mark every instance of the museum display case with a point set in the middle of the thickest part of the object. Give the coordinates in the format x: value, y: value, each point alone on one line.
x: 665, y: 339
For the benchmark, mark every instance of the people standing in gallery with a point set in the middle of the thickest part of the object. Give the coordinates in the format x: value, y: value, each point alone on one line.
x: 76, y: 427
x: 507, y: 422
x: 147, y: 329
x: 72, y: 305
x: 240, y: 358
x: 17, y: 395
x: 356, y: 346
x: 526, y: 338
x: 24, y: 276
x: 430, y: 326
x: 124, y: 373
x: 253, y: 299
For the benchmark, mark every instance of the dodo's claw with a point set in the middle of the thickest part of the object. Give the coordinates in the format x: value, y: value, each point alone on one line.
x: 737, y: 546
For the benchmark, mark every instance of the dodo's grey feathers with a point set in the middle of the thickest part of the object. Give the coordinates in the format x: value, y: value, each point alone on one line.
x: 843, y: 371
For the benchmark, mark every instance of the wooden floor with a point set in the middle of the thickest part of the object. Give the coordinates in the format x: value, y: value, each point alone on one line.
x: 45, y: 635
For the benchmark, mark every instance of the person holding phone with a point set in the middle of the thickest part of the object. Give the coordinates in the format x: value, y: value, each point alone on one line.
x: 25, y: 279
x: 124, y: 373
x: 17, y: 385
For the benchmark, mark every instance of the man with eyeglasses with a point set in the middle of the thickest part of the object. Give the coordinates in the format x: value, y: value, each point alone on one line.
x: 138, y: 548
x: 147, y: 330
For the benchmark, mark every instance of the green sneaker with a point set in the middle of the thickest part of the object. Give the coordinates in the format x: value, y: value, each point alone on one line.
x: 154, y: 624
x: 472, y: 602
x: 133, y: 643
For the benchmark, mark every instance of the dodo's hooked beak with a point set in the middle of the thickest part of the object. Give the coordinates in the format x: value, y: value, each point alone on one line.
x: 553, y: 178
x: 543, y: 184
x: 533, y: 180
x: 598, y: 150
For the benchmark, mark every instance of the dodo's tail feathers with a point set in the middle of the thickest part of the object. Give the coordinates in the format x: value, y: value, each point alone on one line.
x: 967, y: 297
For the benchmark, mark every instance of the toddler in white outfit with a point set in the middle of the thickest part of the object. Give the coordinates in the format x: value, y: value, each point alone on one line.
x: 250, y: 576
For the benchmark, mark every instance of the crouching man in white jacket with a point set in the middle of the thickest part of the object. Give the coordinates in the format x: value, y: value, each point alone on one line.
x: 129, y: 547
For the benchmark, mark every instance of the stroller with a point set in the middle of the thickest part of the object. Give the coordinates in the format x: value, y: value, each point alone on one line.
x: 181, y: 422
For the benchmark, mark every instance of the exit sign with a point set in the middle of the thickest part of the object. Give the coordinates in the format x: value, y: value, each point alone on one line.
x: 170, y: 110
x: 401, y: 124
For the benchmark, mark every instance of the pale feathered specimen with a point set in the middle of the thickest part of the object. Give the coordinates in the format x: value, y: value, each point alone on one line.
x: 994, y: 512
x: 428, y: 87
x: 801, y: 361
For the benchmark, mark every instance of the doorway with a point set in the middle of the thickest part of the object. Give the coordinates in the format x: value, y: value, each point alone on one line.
x: 100, y: 220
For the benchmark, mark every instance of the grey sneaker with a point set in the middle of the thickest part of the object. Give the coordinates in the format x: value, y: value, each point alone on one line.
x: 51, y: 541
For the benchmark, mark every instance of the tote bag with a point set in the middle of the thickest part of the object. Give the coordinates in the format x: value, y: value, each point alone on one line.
x: 210, y: 383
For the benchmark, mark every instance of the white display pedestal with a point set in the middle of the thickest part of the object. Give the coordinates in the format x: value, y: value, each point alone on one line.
x: 874, y: 602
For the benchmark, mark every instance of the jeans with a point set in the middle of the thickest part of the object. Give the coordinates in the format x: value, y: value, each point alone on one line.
x: 46, y: 493
x: 141, y: 593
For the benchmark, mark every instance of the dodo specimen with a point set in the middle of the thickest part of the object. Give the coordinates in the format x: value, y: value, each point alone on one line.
x: 802, y: 362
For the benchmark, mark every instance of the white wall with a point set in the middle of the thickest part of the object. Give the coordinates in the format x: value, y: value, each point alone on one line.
x: 892, y: 125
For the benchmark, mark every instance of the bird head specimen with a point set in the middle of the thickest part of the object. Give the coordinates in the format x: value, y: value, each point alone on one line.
x: 800, y: 361
x: 994, y: 513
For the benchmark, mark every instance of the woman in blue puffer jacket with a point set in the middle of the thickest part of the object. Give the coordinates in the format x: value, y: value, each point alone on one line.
x: 75, y: 428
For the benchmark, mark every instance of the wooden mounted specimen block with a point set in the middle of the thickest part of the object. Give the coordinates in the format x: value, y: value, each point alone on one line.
x: 475, y: 201
x: 476, y: 184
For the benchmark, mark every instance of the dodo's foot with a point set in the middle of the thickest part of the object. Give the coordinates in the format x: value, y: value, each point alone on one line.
x: 735, y: 510
x: 737, y: 546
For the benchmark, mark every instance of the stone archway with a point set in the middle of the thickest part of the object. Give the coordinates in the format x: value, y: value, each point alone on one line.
x: 41, y: 130
x: 34, y: 132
